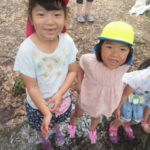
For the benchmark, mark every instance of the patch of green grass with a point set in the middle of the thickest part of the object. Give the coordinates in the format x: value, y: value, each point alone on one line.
x: 139, y: 42
x: 147, y: 13
x: 19, y: 87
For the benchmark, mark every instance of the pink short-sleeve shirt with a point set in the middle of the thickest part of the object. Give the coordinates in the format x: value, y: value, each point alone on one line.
x: 101, y: 88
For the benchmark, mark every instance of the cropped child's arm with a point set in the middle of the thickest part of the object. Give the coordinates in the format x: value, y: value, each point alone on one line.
x: 146, y: 115
x: 127, y: 91
x: 80, y: 78
x: 72, y: 71
x: 32, y: 87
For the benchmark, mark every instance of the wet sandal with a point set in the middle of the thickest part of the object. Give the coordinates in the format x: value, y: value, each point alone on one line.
x: 92, y: 136
x: 129, y: 131
x: 113, y: 134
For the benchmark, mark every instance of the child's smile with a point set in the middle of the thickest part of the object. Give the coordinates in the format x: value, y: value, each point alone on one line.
x: 113, y: 62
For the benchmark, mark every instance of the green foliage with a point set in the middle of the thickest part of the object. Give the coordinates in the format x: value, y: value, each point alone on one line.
x: 19, y: 87
x: 139, y: 42
x: 147, y: 13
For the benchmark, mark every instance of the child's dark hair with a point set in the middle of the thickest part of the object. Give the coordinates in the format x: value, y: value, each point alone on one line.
x: 99, y: 47
x: 144, y: 65
x: 48, y: 5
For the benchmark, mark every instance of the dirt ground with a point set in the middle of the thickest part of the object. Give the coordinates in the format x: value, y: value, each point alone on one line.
x: 13, y: 14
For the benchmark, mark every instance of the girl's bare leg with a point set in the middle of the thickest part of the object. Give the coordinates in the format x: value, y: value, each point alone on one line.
x: 146, y: 115
x: 78, y: 112
x: 88, y: 7
x: 92, y: 131
x: 56, y: 126
x: 94, y: 123
x: 117, y: 123
x: 74, y: 115
x: 79, y: 8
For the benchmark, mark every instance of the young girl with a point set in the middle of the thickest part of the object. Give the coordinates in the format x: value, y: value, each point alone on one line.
x: 135, y: 97
x: 47, y: 63
x: 99, y: 75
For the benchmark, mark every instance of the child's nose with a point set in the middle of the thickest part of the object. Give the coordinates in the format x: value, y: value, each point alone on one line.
x: 115, y: 53
x: 50, y: 19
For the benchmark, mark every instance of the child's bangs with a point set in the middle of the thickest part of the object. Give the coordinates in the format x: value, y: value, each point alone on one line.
x: 51, y: 4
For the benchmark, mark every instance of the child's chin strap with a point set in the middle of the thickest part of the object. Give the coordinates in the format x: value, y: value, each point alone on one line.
x: 30, y: 29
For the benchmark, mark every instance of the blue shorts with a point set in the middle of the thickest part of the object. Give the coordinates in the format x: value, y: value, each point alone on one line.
x: 35, y: 117
x: 132, y: 112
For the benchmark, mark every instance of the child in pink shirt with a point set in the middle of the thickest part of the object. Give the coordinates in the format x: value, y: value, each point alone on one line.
x: 99, y: 75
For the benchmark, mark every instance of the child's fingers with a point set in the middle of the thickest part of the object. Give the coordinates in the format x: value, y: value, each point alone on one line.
x: 55, y: 108
x: 49, y: 101
x: 44, y: 129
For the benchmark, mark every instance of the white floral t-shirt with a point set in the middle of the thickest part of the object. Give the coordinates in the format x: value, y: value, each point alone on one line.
x: 50, y: 70
x: 140, y: 81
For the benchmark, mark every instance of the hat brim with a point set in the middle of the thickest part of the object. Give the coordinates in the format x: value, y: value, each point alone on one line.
x: 113, y: 39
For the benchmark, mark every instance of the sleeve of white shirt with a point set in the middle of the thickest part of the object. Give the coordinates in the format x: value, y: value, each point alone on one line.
x: 131, y: 79
x: 24, y: 62
x: 72, y: 49
x: 83, y: 61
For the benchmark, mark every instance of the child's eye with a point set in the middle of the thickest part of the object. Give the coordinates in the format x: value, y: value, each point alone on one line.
x: 110, y: 47
x: 40, y: 14
x: 124, y: 49
x: 57, y: 14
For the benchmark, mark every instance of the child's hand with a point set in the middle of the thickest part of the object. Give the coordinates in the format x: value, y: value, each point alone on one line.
x: 56, y: 99
x: 117, y: 113
x: 45, y: 124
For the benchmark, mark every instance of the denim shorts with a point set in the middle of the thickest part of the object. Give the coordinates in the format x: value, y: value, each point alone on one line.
x: 35, y: 117
x: 132, y: 112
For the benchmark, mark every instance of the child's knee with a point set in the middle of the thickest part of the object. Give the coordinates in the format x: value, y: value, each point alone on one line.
x: 116, y: 123
x: 77, y: 113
